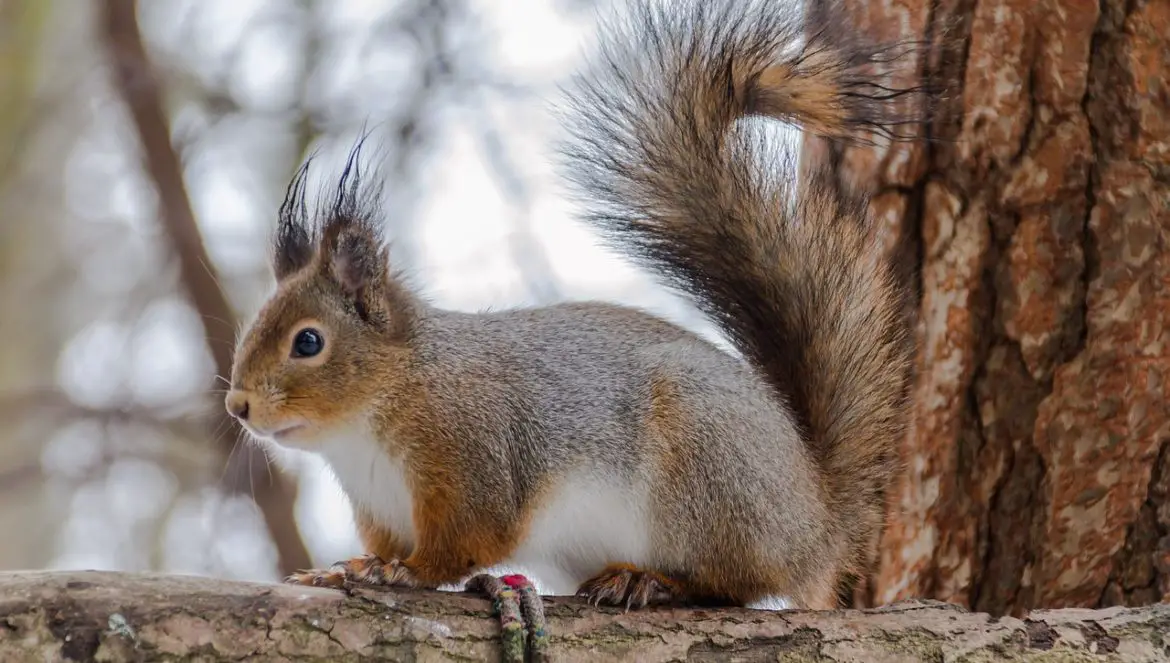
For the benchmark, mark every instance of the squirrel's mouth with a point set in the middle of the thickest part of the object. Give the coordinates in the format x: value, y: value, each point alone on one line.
x: 275, y: 434
x: 283, y: 433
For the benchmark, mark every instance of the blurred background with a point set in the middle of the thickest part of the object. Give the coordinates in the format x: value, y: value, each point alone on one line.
x: 144, y: 150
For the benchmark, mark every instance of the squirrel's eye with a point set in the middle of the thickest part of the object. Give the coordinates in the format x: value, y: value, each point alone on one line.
x: 308, y: 343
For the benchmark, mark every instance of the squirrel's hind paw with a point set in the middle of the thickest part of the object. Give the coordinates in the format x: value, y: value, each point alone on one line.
x: 634, y: 588
x: 368, y: 569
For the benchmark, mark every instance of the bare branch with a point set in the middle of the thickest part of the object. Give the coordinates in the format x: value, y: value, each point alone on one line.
x: 140, y: 91
x: 135, y: 617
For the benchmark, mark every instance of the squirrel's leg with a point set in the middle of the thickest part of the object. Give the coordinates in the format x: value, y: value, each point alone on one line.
x: 447, y: 555
x: 448, y: 547
x: 632, y: 587
x: 453, y: 538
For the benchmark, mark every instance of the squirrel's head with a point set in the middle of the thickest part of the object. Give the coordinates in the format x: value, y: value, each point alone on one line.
x: 317, y: 353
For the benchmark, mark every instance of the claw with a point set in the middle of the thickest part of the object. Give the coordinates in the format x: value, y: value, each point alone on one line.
x: 631, y: 588
x: 368, y: 569
x: 317, y: 578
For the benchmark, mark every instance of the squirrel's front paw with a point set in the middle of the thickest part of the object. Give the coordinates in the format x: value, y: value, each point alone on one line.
x: 318, y: 578
x: 367, y: 569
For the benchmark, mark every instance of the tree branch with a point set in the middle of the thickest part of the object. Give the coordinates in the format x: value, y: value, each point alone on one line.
x: 130, y: 617
x: 136, y: 82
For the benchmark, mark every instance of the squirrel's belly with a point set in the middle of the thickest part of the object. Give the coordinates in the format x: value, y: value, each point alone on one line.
x: 587, y: 523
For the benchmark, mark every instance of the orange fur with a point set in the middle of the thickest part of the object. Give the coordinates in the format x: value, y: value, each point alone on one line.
x: 377, y: 539
x: 451, y: 544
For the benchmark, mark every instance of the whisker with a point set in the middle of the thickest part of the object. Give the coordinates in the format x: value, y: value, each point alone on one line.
x: 251, y: 474
x: 214, y: 318
x: 228, y: 461
x: 268, y: 465
x: 221, y: 428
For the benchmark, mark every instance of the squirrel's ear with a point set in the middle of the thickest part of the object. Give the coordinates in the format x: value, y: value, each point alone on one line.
x: 356, y: 261
x: 355, y: 258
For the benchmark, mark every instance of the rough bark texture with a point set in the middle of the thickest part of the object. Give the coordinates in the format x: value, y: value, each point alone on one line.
x: 1037, y: 223
x: 100, y: 616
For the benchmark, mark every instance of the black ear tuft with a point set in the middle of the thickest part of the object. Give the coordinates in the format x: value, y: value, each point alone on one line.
x: 351, y: 199
x: 351, y: 241
x: 293, y: 244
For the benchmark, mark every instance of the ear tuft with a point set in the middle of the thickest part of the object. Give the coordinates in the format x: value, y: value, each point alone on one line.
x: 351, y: 242
x: 293, y: 244
x: 344, y: 244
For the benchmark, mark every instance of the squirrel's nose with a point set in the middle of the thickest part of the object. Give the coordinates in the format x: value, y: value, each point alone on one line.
x: 237, y: 404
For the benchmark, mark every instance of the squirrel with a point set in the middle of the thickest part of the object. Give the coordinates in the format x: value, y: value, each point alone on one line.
x: 608, y: 452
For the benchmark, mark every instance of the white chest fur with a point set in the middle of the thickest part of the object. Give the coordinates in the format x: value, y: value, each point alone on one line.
x: 373, y: 480
x: 586, y: 523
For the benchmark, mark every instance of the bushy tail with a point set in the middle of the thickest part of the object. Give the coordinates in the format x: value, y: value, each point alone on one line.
x: 674, y: 176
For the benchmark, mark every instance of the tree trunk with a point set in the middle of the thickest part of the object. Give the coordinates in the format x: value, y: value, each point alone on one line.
x: 1036, y: 226
x: 127, y: 617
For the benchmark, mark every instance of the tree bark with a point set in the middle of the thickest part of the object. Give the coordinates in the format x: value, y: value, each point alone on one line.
x: 83, y: 616
x: 1036, y: 222
x: 247, y: 472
